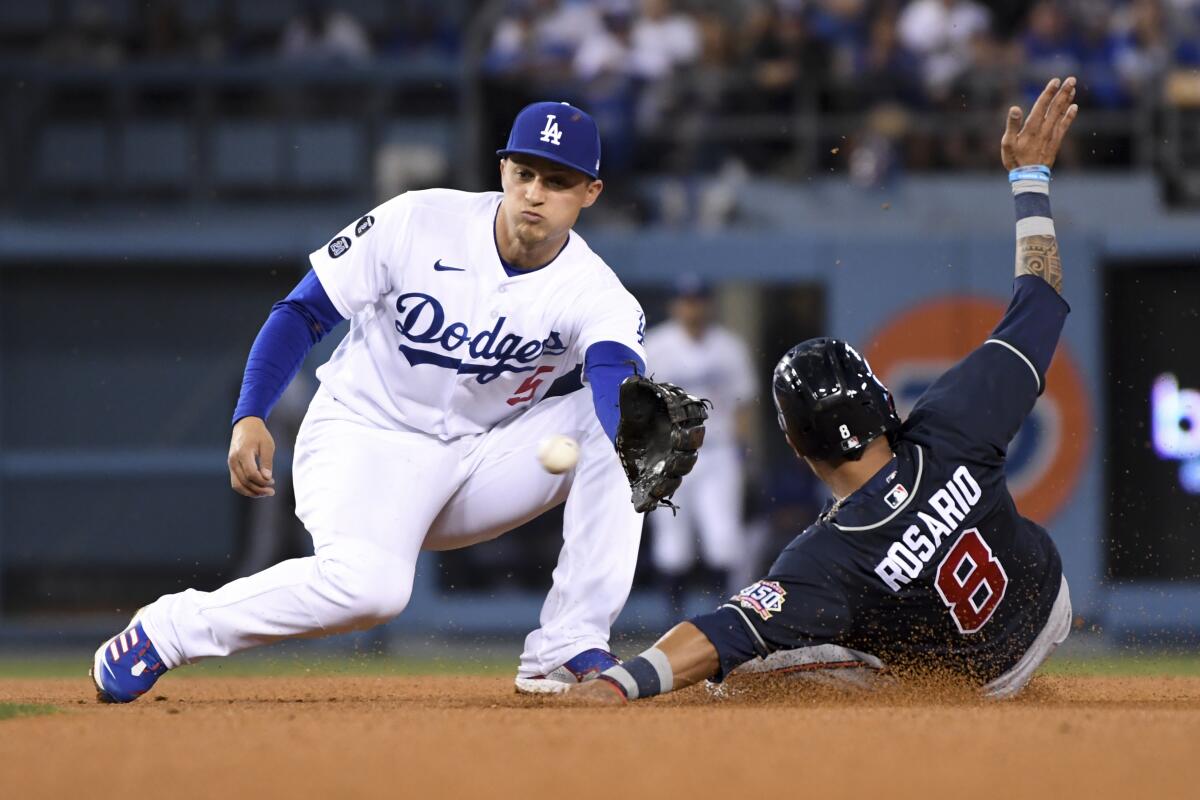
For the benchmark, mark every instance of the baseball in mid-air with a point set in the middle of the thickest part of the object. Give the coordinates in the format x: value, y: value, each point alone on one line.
x: 558, y: 454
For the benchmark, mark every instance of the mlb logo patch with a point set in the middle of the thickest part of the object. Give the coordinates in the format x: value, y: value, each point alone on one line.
x: 896, y: 497
x: 764, y: 598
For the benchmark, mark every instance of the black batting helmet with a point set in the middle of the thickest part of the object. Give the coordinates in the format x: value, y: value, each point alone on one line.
x: 829, y: 402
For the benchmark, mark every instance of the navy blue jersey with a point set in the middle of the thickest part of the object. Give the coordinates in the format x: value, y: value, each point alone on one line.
x: 929, y: 562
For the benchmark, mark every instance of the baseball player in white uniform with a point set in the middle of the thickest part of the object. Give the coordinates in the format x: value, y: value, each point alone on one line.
x: 692, y: 350
x: 463, y: 309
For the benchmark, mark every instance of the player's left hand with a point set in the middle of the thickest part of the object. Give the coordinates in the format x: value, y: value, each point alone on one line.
x: 1038, y: 140
x: 594, y: 693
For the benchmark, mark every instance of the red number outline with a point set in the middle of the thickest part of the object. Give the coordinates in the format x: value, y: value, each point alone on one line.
x: 955, y: 593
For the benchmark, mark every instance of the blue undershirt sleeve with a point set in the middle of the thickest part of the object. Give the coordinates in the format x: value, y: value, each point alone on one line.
x: 295, y: 324
x: 606, y: 364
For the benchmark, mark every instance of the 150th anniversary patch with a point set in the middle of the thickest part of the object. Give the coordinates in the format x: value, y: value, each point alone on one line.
x: 363, y: 225
x: 764, y: 598
x: 339, y: 246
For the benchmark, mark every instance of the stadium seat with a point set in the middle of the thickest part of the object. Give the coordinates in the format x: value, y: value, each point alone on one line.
x: 261, y: 19
x: 434, y: 132
x: 157, y: 154
x: 373, y: 14
x: 413, y: 154
x: 116, y: 14
x: 72, y: 156
x: 327, y: 155
x: 246, y: 155
x: 199, y: 14
x: 25, y: 19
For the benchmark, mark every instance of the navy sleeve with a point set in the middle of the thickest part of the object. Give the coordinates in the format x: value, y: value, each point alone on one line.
x: 733, y: 637
x: 801, y: 603
x: 978, y: 405
x: 1033, y: 322
x: 295, y: 324
x: 606, y: 364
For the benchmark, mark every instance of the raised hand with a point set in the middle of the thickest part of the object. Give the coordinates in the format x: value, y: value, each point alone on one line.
x: 1038, y: 139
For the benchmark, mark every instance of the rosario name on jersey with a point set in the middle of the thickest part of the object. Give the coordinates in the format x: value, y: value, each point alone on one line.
x: 442, y: 339
x: 929, y: 563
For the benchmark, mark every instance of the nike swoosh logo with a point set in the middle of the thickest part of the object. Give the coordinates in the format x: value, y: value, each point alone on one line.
x: 438, y: 266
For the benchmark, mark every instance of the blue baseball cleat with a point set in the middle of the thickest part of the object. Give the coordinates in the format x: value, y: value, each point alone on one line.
x: 126, y: 666
x: 583, y: 667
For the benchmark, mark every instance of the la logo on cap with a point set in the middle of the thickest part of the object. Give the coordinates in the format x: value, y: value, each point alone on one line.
x: 551, y: 133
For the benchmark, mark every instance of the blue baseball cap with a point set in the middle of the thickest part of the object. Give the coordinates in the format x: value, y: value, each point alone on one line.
x: 559, y: 132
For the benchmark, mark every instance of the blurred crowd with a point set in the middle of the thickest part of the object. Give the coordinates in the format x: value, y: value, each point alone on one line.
x: 108, y: 33
x: 738, y: 71
x: 766, y: 52
x: 917, y: 51
x: 696, y: 87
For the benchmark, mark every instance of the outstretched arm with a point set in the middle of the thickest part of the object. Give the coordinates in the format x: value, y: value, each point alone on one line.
x: 1028, y: 152
x: 983, y: 400
x: 1033, y: 322
x: 682, y: 657
x: 802, y: 602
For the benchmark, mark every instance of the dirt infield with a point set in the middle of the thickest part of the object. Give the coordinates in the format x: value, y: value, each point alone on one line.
x: 415, y: 737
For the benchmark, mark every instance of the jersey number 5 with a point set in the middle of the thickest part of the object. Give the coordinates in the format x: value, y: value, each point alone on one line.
x: 971, y: 582
x: 528, y: 387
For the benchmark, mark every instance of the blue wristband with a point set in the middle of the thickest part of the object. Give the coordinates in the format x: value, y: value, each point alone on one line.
x: 1030, y: 172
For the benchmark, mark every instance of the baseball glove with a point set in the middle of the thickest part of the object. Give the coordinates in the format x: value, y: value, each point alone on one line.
x: 660, y: 432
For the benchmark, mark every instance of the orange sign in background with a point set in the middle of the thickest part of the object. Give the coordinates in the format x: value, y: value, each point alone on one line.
x: 1046, y: 459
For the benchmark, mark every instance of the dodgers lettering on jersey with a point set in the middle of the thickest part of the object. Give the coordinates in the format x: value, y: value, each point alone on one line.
x: 442, y: 339
x: 423, y: 321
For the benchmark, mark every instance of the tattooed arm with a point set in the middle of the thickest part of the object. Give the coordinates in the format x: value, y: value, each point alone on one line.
x: 1028, y: 151
x: 1038, y: 256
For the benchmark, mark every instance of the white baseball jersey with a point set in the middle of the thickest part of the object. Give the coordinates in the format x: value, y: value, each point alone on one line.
x: 442, y: 340
x: 401, y: 451
x: 716, y: 367
x: 710, y: 500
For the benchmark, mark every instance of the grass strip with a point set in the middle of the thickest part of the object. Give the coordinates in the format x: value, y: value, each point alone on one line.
x: 14, y: 710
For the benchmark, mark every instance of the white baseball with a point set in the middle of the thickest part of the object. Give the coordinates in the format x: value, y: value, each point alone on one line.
x: 558, y: 454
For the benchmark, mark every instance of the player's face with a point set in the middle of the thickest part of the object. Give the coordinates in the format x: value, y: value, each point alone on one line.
x: 543, y: 199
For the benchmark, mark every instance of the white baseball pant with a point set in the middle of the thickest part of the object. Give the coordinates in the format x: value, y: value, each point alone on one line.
x: 372, y: 499
x: 710, y: 504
